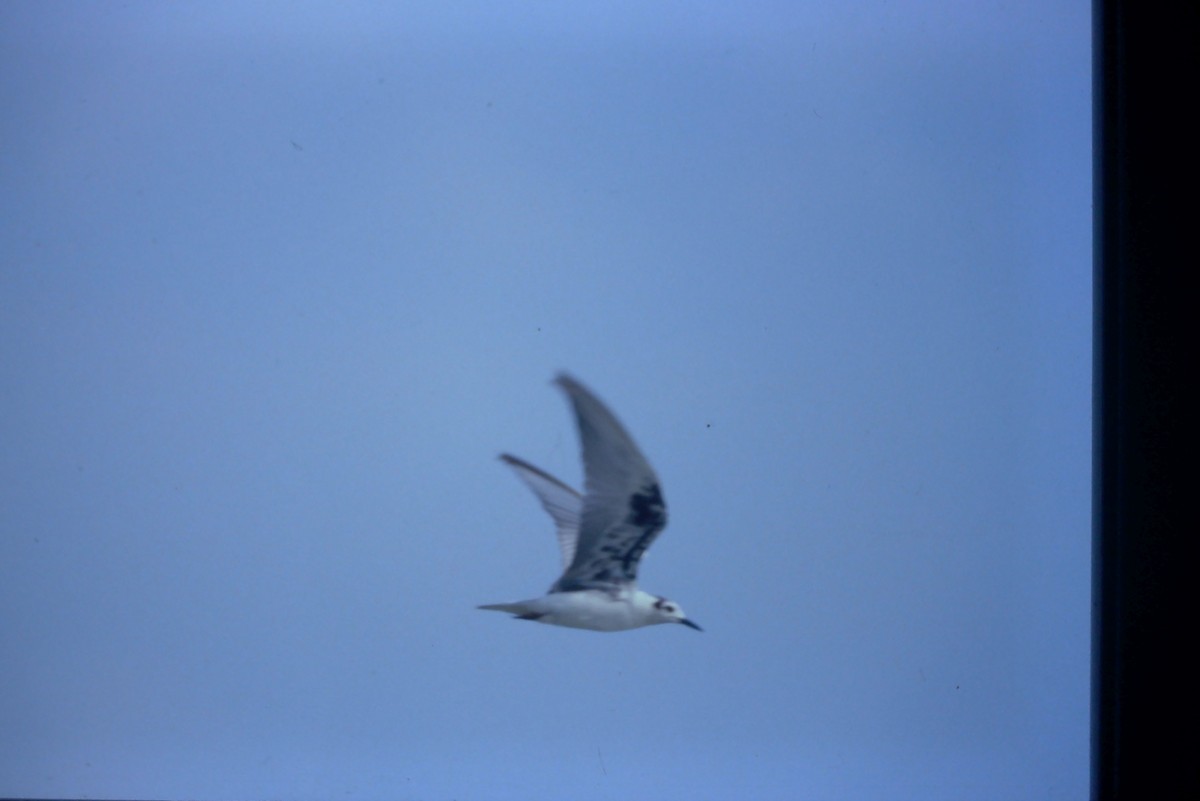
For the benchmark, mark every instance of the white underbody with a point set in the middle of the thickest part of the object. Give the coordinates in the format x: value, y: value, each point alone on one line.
x: 618, y: 609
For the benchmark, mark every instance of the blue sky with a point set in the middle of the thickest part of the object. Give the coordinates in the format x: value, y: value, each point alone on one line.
x: 279, y: 281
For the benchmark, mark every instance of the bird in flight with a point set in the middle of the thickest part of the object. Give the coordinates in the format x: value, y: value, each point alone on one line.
x: 603, y: 533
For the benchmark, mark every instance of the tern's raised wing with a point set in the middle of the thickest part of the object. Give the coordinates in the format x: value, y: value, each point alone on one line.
x: 563, y: 503
x: 623, y: 507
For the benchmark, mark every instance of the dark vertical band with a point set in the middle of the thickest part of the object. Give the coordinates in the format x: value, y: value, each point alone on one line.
x: 1146, y: 580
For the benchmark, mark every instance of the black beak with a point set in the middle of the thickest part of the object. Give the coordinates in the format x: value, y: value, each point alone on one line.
x: 689, y: 623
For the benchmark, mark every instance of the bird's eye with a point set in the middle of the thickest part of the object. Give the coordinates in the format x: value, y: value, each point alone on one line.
x: 669, y: 608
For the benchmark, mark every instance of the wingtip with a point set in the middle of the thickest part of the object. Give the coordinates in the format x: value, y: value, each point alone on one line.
x: 568, y: 383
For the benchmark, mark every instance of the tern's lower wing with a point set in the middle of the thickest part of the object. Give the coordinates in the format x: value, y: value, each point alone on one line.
x: 562, y: 503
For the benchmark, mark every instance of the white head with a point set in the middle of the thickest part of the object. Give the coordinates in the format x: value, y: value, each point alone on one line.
x: 670, y: 612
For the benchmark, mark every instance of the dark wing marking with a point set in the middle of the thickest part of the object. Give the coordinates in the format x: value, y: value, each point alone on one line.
x: 615, y: 558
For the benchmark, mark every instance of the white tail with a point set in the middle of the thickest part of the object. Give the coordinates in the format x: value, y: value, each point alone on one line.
x: 516, y: 609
